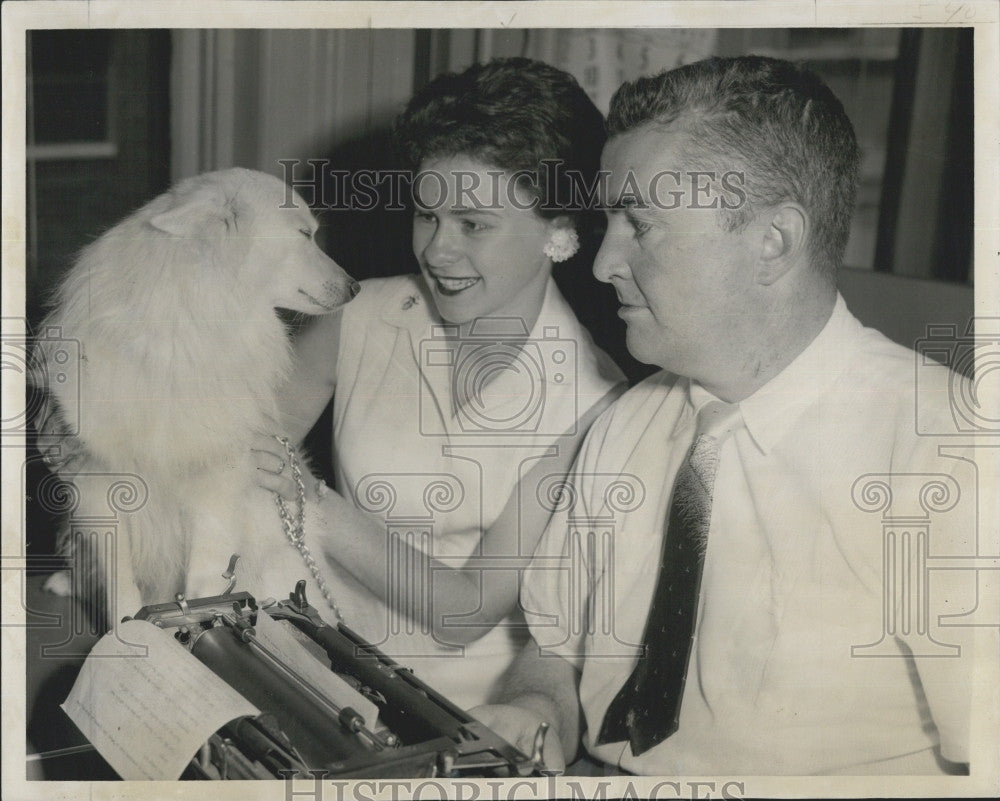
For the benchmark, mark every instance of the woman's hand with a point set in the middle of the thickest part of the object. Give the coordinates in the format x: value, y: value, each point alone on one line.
x: 62, y: 452
x: 274, y: 470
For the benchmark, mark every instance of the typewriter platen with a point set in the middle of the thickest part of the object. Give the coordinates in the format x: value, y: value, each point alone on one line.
x: 419, y: 733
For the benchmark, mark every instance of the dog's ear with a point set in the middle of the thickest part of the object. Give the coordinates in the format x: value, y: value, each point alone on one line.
x: 196, y: 212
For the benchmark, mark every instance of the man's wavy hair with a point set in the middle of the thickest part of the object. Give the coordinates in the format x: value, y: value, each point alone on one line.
x: 513, y: 114
x: 775, y: 121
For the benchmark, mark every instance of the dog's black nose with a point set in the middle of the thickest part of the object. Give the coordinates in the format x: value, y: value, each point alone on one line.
x: 355, y: 288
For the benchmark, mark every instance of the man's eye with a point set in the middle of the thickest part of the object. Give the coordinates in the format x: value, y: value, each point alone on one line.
x: 472, y: 226
x: 306, y: 233
x: 639, y: 226
x: 423, y: 216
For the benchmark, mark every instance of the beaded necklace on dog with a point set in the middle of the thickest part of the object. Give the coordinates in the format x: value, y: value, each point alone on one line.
x: 295, y: 527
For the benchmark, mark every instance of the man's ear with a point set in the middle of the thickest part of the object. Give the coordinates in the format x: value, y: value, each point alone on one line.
x: 784, y: 241
x: 194, y: 213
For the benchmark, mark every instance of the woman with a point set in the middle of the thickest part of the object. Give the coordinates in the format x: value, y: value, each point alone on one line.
x: 460, y: 394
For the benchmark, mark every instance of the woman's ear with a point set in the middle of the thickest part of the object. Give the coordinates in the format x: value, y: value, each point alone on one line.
x: 563, y: 222
x: 784, y: 242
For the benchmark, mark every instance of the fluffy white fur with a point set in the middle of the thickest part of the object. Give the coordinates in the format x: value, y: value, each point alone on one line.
x: 182, y: 352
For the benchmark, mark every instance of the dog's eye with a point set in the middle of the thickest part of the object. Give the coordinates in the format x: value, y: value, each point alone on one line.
x: 306, y: 233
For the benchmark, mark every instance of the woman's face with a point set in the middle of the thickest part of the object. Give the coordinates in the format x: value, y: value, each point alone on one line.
x: 478, y: 241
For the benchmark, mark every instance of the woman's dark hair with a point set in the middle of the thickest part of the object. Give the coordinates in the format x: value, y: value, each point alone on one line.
x: 515, y: 114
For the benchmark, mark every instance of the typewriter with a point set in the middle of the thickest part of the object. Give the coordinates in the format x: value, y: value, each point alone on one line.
x: 301, y: 733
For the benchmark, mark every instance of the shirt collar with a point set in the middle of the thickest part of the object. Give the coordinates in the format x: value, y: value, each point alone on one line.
x: 773, y: 408
x: 411, y: 308
x: 777, y: 405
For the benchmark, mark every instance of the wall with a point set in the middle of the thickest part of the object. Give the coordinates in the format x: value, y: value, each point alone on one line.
x: 254, y: 97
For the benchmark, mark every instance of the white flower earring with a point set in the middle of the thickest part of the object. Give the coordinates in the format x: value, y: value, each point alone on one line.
x: 562, y: 244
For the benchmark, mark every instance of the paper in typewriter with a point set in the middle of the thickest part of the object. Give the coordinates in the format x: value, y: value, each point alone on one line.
x: 147, y: 705
x: 273, y: 635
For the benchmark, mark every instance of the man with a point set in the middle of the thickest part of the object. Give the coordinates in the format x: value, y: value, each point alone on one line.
x: 739, y: 630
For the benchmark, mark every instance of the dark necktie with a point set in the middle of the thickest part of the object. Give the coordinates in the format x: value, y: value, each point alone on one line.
x: 647, y: 708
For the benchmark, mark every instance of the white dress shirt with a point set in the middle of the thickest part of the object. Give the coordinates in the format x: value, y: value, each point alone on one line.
x: 794, y: 581
x: 440, y: 477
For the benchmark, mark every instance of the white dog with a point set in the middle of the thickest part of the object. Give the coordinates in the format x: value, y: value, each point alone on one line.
x: 181, y: 356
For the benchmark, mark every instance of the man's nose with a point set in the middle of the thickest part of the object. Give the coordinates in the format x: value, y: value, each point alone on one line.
x: 610, y: 261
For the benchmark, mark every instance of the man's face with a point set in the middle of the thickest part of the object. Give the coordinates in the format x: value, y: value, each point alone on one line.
x: 685, y: 284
